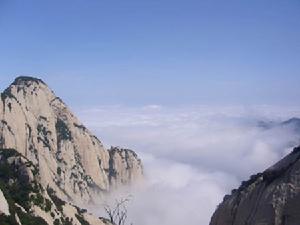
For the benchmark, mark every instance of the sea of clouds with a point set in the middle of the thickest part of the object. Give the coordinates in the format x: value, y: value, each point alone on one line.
x: 192, y: 155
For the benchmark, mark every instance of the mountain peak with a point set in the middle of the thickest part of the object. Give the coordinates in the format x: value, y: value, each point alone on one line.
x: 71, y: 160
x: 27, y: 79
x: 25, y: 89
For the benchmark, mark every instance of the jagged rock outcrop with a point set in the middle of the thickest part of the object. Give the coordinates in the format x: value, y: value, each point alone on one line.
x: 26, y: 202
x: 69, y: 158
x: 121, y: 167
x: 268, y: 198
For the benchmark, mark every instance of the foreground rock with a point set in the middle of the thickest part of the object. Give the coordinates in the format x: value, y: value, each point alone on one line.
x: 268, y: 198
x: 27, y: 202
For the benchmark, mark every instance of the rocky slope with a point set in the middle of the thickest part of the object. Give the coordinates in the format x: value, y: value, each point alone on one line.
x: 268, y: 198
x: 26, y: 202
x: 67, y: 158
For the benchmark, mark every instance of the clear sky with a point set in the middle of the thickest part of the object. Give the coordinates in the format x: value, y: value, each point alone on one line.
x: 155, y: 52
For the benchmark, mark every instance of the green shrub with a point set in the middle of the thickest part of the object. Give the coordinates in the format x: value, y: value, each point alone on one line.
x: 63, y: 132
x: 57, y: 201
x: 81, y: 220
x: 48, y: 205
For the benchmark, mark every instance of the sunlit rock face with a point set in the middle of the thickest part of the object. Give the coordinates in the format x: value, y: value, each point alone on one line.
x: 268, y: 198
x: 69, y: 158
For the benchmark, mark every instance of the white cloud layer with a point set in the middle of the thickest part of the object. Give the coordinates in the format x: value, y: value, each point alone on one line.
x: 192, y: 155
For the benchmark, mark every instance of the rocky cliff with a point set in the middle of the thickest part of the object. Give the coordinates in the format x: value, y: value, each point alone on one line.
x: 268, y: 198
x: 68, y: 159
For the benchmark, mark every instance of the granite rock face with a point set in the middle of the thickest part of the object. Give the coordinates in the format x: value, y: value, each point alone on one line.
x: 69, y: 158
x: 268, y: 198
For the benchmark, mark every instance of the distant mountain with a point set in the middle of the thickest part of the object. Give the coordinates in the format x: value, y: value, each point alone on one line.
x: 48, y: 159
x: 268, y: 198
x: 293, y: 123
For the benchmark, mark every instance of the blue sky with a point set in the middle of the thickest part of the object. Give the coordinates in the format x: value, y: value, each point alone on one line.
x: 155, y: 52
